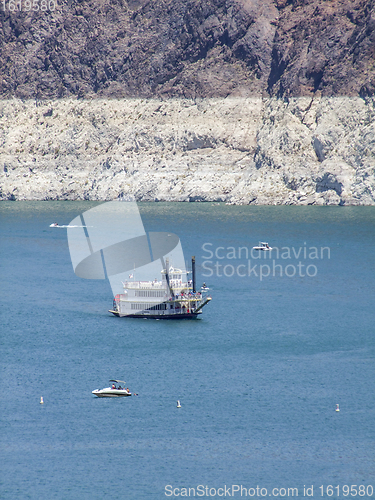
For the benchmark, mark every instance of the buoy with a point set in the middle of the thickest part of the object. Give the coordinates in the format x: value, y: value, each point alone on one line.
x: 337, y: 408
x: 41, y: 400
x: 178, y: 404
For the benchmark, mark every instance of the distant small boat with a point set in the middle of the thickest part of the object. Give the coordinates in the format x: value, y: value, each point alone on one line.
x: 263, y: 246
x: 113, y: 391
x: 56, y: 224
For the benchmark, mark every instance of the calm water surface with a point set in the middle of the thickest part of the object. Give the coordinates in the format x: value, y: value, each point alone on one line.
x: 258, y: 376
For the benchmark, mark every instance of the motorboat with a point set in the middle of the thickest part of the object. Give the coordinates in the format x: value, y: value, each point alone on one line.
x: 54, y: 224
x: 115, y: 391
x: 263, y: 246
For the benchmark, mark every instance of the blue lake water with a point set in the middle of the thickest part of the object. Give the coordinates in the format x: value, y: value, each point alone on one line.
x: 258, y: 376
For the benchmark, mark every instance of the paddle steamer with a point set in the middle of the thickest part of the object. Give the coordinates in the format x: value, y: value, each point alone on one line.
x: 173, y: 297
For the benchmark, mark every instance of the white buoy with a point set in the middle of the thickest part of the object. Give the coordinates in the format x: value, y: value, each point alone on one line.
x: 178, y: 404
x: 41, y: 400
x: 337, y: 408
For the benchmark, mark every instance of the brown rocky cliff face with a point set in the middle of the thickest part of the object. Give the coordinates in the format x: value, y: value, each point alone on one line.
x: 181, y: 48
x: 326, y: 47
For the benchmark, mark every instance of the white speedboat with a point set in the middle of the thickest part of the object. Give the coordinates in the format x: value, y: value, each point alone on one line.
x: 113, y: 391
x: 263, y: 246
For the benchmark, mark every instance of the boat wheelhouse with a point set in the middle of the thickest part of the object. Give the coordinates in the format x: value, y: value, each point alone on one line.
x: 173, y: 297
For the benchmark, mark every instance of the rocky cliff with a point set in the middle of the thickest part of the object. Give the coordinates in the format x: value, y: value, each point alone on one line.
x: 244, y: 101
x: 187, y: 48
x: 264, y: 151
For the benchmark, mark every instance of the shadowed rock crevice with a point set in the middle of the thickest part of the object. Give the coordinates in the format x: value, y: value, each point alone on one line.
x: 327, y: 182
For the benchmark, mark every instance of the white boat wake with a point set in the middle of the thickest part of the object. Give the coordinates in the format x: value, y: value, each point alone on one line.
x: 65, y: 225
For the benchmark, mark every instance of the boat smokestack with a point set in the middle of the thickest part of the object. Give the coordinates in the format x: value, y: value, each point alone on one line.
x: 167, y: 275
x: 193, y: 271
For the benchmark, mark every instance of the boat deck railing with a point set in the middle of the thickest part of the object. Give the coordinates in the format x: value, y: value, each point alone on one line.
x: 187, y: 296
x: 144, y: 284
x: 156, y: 285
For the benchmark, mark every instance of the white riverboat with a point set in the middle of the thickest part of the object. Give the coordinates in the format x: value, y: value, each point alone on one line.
x: 173, y: 297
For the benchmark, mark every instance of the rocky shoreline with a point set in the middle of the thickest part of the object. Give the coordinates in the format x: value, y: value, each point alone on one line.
x: 265, y: 151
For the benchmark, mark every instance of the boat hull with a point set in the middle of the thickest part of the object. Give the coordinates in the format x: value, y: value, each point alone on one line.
x: 157, y: 316
x: 111, y: 393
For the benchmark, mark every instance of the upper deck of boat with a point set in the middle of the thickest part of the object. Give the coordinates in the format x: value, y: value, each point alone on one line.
x: 156, y: 285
